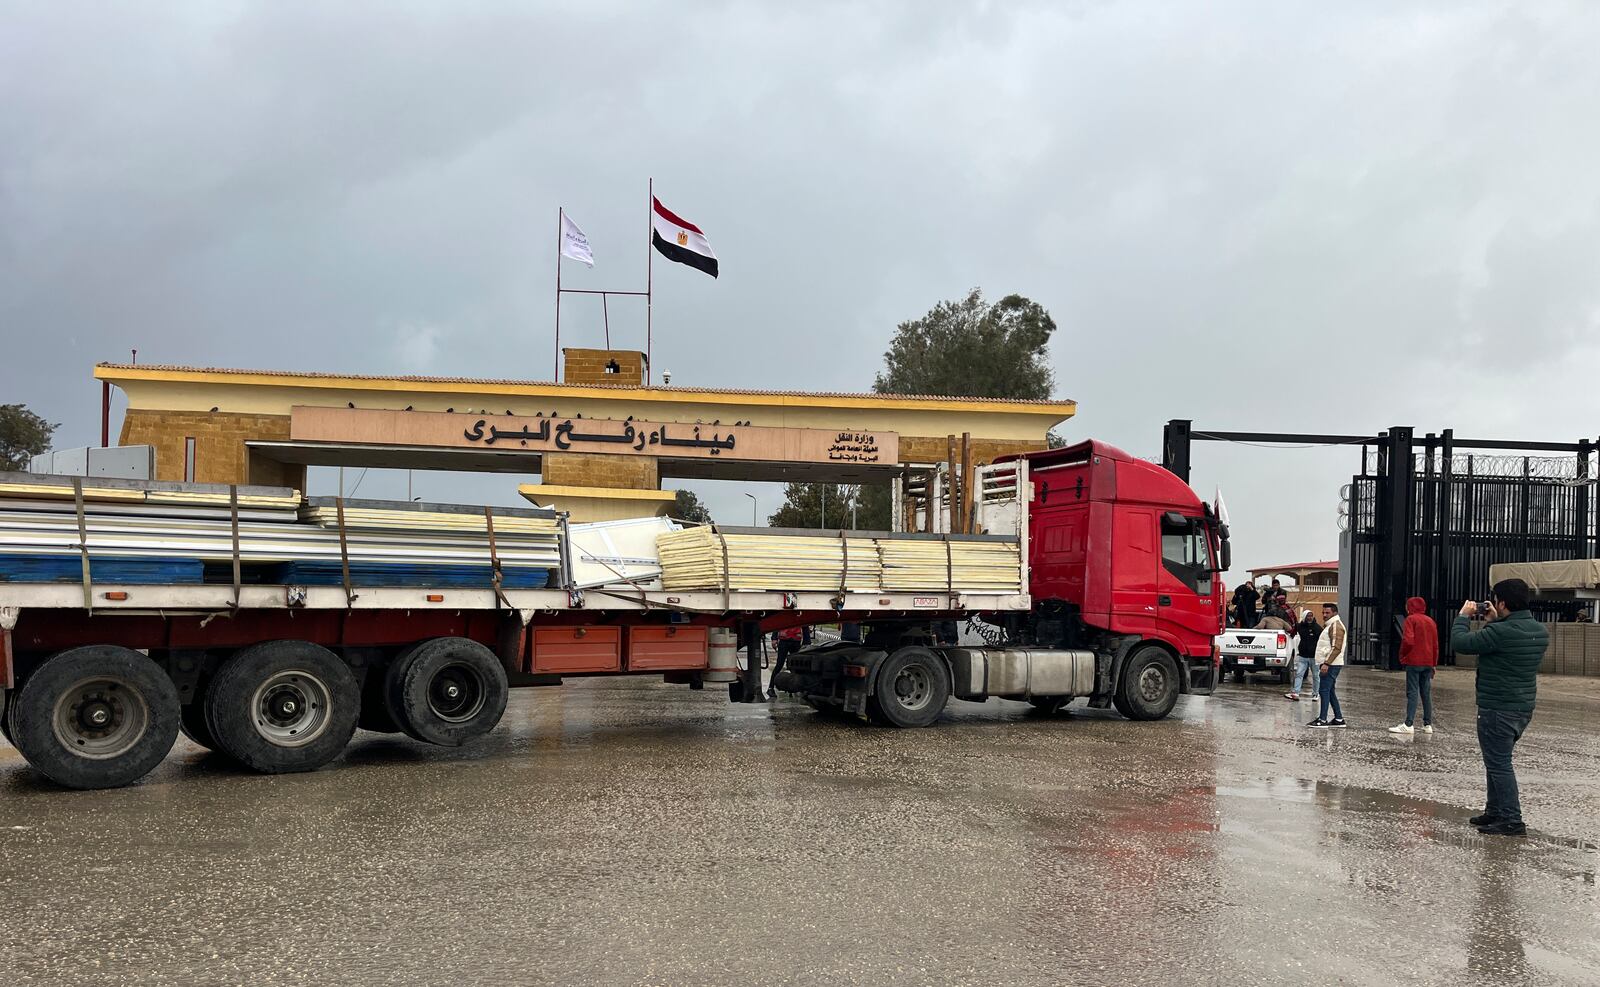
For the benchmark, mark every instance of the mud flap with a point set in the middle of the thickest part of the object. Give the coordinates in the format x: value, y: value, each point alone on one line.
x: 1203, y: 675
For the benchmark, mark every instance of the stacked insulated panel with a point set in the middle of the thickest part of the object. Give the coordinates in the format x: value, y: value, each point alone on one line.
x: 704, y: 559
x: 160, y: 533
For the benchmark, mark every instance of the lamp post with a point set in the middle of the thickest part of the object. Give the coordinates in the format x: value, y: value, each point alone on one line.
x: 752, y: 509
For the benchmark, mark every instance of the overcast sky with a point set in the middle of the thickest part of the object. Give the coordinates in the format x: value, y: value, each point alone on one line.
x: 1303, y: 216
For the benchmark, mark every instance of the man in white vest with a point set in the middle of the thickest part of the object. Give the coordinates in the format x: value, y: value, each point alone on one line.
x: 1330, y: 661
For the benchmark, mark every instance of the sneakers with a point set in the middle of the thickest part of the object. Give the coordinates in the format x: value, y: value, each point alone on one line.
x: 1293, y: 697
x: 1318, y: 724
x: 1427, y: 728
x: 1337, y: 722
x: 1402, y: 728
x: 1482, y: 820
x: 1503, y: 829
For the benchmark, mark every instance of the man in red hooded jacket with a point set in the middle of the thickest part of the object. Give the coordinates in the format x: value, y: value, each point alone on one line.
x: 1419, y: 653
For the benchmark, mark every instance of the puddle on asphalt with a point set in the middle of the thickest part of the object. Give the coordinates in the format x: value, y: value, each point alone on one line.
x: 1351, y: 798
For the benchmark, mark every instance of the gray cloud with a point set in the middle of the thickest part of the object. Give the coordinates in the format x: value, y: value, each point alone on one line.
x: 1309, y: 216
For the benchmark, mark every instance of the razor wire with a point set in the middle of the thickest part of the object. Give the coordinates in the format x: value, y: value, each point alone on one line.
x: 1559, y: 469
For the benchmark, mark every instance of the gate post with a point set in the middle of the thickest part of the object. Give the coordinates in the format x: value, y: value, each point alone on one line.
x: 1397, y: 528
x: 1585, y: 449
x: 1175, y: 447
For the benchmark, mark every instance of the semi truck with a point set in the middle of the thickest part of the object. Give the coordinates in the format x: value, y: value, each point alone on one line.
x: 1120, y: 604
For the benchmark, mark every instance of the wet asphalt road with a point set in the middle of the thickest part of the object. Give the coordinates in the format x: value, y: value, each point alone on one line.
x: 621, y: 831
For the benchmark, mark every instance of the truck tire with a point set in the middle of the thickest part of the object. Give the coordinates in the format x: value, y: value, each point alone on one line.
x: 1149, y: 686
x: 375, y: 715
x: 447, y: 691
x: 98, y: 716
x: 192, y: 721
x: 911, y: 688
x: 5, y: 713
x: 283, y: 706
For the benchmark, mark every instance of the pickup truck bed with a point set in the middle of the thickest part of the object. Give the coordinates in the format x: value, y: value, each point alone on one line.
x: 1247, y: 649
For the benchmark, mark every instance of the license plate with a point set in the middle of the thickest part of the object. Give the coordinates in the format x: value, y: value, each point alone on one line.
x: 1244, y: 661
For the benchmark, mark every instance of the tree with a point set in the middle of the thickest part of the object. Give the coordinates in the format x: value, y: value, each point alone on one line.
x: 851, y: 507
x: 687, y: 507
x: 23, y: 435
x: 965, y: 348
x: 969, y: 348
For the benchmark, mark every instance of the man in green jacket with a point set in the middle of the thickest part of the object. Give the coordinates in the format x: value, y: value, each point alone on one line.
x: 1509, y: 649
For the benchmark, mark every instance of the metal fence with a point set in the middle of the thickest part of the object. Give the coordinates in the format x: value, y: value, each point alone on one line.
x: 1461, y: 523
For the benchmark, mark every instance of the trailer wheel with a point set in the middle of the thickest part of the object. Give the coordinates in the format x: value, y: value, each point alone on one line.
x: 447, y: 691
x: 98, y: 716
x: 1149, y: 686
x: 192, y: 721
x: 283, y: 706
x: 912, y: 688
x: 375, y: 715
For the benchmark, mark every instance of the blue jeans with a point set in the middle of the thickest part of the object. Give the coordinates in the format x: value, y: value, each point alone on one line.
x: 1329, y: 697
x: 1419, y: 681
x: 1498, y: 733
x: 1305, y: 668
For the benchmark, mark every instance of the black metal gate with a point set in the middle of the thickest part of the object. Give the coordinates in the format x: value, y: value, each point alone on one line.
x: 1465, y: 514
x: 1432, y: 525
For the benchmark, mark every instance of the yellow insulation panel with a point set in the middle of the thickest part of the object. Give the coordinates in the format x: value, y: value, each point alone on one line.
x: 701, y: 558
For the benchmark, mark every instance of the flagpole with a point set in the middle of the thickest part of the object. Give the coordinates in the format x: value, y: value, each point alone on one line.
x: 560, y: 212
x: 649, y: 276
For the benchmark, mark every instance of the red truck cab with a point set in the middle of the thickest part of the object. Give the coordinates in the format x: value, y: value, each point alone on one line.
x: 1128, y: 546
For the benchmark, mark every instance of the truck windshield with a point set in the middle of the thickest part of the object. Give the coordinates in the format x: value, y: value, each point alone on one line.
x: 1186, y: 553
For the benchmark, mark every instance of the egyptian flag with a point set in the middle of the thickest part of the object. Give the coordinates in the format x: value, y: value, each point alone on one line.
x: 680, y: 240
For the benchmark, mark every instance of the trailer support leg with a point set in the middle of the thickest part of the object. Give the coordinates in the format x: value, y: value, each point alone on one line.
x: 751, y: 631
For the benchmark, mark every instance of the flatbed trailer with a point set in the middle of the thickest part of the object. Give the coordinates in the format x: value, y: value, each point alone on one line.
x: 98, y: 679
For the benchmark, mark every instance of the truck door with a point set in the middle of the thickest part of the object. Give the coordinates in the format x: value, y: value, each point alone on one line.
x: 1136, y: 573
x: 1186, y: 601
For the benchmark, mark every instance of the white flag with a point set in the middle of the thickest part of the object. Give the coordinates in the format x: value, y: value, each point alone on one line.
x: 573, y: 243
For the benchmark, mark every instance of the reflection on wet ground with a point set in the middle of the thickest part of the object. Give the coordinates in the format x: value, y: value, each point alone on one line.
x: 621, y: 831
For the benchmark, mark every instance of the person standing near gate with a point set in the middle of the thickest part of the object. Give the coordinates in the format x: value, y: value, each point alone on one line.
x: 1509, y: 649
x: 1330, y: 661
x: 1419, y: 653
x: 1305, y: 662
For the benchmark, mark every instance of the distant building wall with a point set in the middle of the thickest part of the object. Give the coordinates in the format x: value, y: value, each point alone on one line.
x: 1574, y: 650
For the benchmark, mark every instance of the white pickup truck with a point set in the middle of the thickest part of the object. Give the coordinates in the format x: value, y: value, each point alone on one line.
x: 1260, y: 649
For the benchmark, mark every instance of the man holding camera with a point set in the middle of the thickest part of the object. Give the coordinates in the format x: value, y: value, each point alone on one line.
x: 1509, y: 649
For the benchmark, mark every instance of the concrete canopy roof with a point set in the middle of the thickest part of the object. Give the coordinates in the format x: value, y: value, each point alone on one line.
x: 265, y: 391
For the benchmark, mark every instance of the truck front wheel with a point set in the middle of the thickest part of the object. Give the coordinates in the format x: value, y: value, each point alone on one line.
x: 1149, y: 686
x: 98, y: 716
x: 911, y: 688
